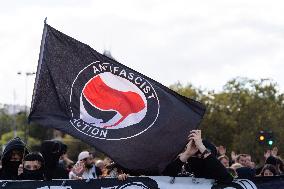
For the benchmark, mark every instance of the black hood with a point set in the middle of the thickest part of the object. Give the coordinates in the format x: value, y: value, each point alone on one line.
x: 35, y: 156
x: 272, y: 160
x: 10, y: 168
x: 33, y: 174
x: 14, y: 144
x: 245, y: 173
x: 51, y: 151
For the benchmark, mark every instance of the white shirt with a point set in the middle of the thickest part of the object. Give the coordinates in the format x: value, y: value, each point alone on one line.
x: 88, y: 174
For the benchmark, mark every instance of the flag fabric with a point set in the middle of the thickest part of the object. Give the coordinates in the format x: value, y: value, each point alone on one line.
x: 139, y: 123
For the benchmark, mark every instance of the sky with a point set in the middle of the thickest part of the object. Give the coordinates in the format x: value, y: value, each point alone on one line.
x: 205, y: 43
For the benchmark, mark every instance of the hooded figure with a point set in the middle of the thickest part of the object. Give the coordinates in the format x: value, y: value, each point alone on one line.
x: 33, y: 167
x: 245, y: 173
x: 11, y: 159
x: 51, y: 151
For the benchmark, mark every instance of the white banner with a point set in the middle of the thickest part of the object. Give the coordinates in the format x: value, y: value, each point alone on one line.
x: 143, y: 183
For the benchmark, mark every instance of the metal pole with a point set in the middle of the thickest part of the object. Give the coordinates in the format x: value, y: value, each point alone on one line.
x: 14, y: 113
x: 26, y: 89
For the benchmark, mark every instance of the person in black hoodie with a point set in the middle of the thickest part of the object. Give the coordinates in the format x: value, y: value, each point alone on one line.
x: 12, y: 157
x: 32, y: 167
x: 199, y: 158
x: 51, y: 151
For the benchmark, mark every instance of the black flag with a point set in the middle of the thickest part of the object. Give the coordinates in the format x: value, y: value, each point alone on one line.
x: 139, y: 123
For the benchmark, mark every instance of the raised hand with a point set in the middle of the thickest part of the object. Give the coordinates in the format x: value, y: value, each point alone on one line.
x: 190, y: 150
x: 122, y: 176
x: 195, y: 135
x: 20, y: 169
x: 78, y: 168
x: 233, y: 156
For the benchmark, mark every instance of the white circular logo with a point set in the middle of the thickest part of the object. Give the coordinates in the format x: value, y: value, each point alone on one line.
x: 112, y: 102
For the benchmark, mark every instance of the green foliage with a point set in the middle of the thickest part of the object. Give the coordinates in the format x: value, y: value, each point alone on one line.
x: 36, y: 134
x: 10, y: 135
x: 235, y: 115
x: 233, y: 118
x: 75, y: 146
x: 6, y: 122
x: 10, y: 123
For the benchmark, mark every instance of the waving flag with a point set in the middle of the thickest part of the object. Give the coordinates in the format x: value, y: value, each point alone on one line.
x: 141, y: 124
x: 106, y: 98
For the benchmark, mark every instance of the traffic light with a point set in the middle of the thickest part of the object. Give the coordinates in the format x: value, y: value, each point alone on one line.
x: 261, y: 137
x: 266, y: 137
x: 270, y: 138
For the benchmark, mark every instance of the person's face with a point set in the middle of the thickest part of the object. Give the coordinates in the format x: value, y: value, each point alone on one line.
x: 32, y: 165
x: 93, y: 158
x: 225, y: 162
x: 101, y: 165
x: 107, y: 161
x: 242, y: 160
x: 252, y: 165
x: 248, y: 161
x: 222, y: 150
x: 88, y: 161
x: 16, y: 155
x: 63, y: 156
x: 267, y: 173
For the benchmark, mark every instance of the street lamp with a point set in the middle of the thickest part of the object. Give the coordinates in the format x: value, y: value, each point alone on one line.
x: 27, y: 74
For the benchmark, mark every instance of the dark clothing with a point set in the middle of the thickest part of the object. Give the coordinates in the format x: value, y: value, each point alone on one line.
x: 245, y: 173
x: 32, y: 175
x: 9, y: 169
x: 14, y: 144
x: 98, y: 171
x: 210, y: 168
x: 51, y: 151
x: 258, y: 170
x: 56, y: 173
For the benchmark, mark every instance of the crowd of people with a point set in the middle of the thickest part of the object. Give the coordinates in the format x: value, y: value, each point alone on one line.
x: 200, y: 158
x: 242, y: 166
x: 52, y: 162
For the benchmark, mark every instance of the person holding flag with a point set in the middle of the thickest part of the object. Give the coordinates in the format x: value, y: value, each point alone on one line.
x: 199, y: 158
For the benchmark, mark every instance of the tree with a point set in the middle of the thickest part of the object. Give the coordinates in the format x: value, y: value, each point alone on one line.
x: 235, y: 115
x: 10, y: 135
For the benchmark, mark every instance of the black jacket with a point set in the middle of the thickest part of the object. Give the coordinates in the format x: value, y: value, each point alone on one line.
x: 9, y: 169
x: 51, y: 151
x: 210, y: 168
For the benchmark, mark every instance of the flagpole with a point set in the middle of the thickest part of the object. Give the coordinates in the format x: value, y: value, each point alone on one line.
x: 39, y: 60
x: 37, y: 77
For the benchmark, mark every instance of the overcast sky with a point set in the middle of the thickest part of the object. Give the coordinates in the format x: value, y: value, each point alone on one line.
x: 204, y: 42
